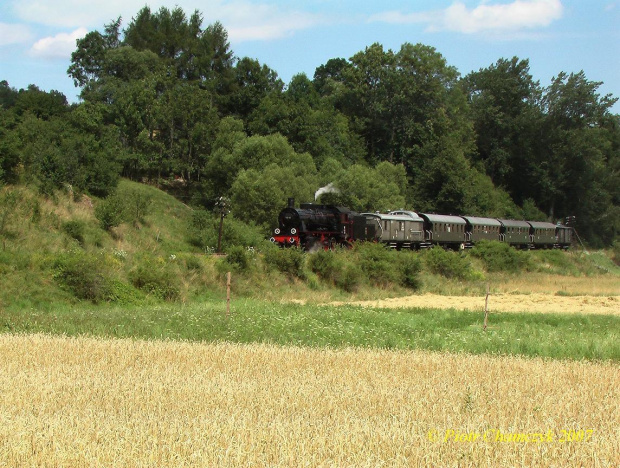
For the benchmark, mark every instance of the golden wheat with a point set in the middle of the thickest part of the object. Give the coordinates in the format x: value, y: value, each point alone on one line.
x: 91, y: 402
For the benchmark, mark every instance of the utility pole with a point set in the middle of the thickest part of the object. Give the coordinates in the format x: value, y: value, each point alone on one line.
x: 222, y: 206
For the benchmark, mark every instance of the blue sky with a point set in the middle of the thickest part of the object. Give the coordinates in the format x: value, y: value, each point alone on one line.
x: 37, y: 37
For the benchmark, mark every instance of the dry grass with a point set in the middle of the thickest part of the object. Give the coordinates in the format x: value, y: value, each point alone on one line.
x: 600, y: 285
x: 88, y: 402
x: 497, y: 303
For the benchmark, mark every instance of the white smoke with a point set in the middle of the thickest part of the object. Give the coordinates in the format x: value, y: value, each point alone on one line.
x: 329, y: 188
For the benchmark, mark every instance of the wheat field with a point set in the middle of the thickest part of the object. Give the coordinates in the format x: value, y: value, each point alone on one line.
x: 93, y: 402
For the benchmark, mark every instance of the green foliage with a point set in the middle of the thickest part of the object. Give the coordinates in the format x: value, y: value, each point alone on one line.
x: 156, y: 276
x: 410, y: 267
x: 289, y: 261
x: 554, y: 336
x: 499, y: 256
x: 163, y: 98
x: 555, y: 261
x: 8, y: 203
x: 137, y: 205
x: 203, y: 231
x: 378, y: 263
x: 75, y: 228
x: 337, y: 267
x: 370, y: 189
x: 110, y: 212
x: 448, y: 263
x: 238, y: 259
x: 85, y: 275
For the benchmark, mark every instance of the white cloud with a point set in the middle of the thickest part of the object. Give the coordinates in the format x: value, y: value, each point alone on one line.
x: 486, y: 17
x: 243, y: 20
x: 58, y: 46
x: 14, y: 34
x: 246, y: 21
x: 74, y: 13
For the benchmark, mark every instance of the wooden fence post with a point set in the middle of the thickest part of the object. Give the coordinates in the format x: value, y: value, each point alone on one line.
x: 228, y: 294
x: 486, y: 307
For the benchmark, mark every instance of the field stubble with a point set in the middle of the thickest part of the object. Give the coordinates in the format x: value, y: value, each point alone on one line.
x: 93, y: 402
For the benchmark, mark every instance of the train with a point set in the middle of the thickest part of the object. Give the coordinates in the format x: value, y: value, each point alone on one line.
x: 313, y: 226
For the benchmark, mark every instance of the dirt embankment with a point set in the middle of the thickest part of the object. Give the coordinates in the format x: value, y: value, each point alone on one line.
x: 549, y: 303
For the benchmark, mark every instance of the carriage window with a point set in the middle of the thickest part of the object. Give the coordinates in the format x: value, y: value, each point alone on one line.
x: 401, y: 225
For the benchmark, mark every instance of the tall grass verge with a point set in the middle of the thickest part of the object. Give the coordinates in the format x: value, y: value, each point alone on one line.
x: 593, y: 337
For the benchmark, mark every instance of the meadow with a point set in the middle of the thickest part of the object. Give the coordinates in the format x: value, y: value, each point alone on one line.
x: 553, y: 335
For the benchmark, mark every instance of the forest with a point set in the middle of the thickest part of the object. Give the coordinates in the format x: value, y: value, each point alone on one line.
x: 165, y: 101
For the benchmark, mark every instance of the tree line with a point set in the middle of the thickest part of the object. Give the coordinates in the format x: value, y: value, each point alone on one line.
x: 165, y: 100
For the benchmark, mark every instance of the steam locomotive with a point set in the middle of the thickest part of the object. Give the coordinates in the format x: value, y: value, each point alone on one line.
x: 314, y: 226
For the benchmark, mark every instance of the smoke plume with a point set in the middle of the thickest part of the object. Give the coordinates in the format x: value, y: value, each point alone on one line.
x: 329, y: 188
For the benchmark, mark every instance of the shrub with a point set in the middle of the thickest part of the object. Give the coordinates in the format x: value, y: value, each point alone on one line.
x: 616, y: 253
x: 85, y: 276
x: 379, y: 263
x: 75, y: 229
x: 110, y: 212
x: 203, y: 231
x: 410, y: 267
x: 447, y: 263
x: 325, y: 264
x: 238, y: 259
x: 156, y: 279
x: 192, y: 263
x: 499, y: 256
x: 137, y: 205
x: 289, y: 261
x: 349, y: 278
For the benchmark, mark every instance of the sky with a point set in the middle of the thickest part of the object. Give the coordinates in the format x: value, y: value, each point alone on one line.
x: 38, y: 36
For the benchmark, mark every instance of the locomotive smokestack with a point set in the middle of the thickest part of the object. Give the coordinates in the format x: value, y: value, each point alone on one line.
x: 291, y: 203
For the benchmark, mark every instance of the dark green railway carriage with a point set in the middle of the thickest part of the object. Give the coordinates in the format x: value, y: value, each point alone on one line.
x: 399, y: 230
x: 564, y: 235
x: 542, y: 234
x: 481, y: 229
x: 449, y: 231
x: 515, y: 232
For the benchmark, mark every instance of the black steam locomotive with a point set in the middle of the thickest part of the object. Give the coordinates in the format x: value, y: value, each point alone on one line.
x: 326, y: 226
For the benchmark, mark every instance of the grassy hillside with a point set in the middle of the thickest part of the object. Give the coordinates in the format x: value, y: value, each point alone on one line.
x: 55, y: 252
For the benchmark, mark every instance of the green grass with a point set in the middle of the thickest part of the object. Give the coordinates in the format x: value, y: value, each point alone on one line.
x: 556, y: 336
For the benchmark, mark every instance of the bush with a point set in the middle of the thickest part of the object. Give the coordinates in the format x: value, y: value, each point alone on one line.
x: 337, y: 268
x: 499, y: 256
x: 289, y: 261
x: 447, y: 263
x: 349, y: 278
x: 325, y: 264
x: 238, y: 259
x: 203, y: 232
x: 379, y: 263
x: 410, y: 267
x: 85, y: 276
x: 75, y: 229
x: 137, y: 205
x: 156, y: 279
x: 110, y: 212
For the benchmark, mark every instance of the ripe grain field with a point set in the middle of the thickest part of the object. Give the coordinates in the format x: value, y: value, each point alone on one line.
x: 100, y: 402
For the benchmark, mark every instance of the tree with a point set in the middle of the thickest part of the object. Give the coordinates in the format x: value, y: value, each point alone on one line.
x: 259, y: 195
x: 507, y: 119
x: 362, y: 188
x: 580, y: 161
x: 251, y: 83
